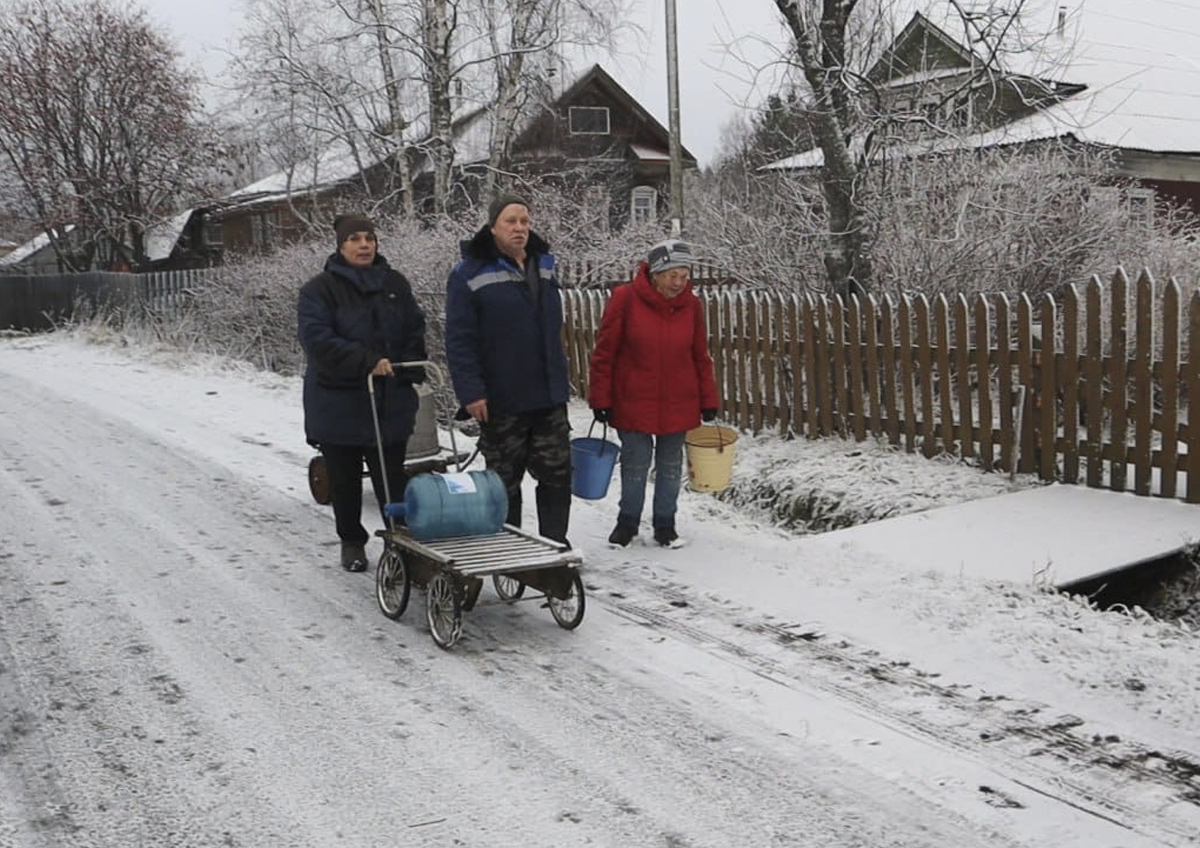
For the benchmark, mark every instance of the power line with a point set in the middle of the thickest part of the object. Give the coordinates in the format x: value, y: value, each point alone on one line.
x: 1145, y: 23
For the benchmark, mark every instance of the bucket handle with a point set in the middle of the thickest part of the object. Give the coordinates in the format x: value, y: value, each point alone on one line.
x: 720, y: 435
x: 603, y: 433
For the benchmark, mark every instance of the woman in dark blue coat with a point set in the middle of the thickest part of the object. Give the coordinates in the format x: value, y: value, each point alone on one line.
x: 359, y: 317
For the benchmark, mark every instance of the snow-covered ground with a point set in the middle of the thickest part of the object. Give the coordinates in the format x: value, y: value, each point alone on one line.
x: 182, y: 663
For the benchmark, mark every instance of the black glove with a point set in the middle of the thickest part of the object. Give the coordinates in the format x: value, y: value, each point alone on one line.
x: 709, y: 414
x: 414, y: 374
x: 602, y: 415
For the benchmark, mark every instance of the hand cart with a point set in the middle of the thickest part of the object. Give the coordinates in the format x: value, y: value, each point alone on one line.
x: 451, y: 570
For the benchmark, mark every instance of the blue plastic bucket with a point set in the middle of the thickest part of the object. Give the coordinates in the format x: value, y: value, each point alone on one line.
x: 592, y: 463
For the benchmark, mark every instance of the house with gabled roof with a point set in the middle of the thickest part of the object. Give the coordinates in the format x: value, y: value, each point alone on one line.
x: 1088, y: 73
x: 34, y: 256
x: 593, y: 136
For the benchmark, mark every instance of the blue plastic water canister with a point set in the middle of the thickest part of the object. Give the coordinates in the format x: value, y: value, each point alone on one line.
x: 465, y: 503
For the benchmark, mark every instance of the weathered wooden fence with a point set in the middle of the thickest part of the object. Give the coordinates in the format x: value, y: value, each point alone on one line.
x: 37, y: 302
x: 1082, y: 389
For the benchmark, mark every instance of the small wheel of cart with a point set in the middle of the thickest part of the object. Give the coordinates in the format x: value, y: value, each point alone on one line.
x: 568, y: 611
x: 392, y: 583
x: 443, y: 609
x: 508, y: 588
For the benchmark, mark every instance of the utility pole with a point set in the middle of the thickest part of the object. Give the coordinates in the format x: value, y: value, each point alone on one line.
x: 673, y: 110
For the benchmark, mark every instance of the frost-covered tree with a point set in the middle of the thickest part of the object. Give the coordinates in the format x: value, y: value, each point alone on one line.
x: 99, y: 124
x: 387, y: 79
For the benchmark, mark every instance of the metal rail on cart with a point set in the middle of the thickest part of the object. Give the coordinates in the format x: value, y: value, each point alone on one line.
x: 496, y: 553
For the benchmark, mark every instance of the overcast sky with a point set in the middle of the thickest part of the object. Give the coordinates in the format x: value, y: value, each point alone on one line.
x: 721, y: 42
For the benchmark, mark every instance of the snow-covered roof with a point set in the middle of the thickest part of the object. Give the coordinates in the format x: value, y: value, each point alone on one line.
x: 1140, y: 63
x: 1055, y: 122
x: 1141, y: 72
x: 334, y: 165
x: 163, y: 236
x: 24, y: 251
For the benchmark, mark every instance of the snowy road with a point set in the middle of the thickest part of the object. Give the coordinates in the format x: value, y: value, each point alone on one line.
x: 180, y: 666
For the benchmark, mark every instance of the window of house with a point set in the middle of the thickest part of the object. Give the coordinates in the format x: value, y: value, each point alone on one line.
x: 263, y: 226
x: 213, y: 233
x: 1136, y: 204
x: 1139, y: 206
x: 588, y: 120
x: 643, y: 205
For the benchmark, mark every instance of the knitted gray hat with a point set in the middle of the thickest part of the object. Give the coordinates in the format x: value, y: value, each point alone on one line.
x: 497, y: 206
x: 669, y: 254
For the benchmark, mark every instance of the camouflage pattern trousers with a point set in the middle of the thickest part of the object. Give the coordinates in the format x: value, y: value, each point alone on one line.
x: 540, y: 443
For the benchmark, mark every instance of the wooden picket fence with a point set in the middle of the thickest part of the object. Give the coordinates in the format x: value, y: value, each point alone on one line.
x: 1079, y: 389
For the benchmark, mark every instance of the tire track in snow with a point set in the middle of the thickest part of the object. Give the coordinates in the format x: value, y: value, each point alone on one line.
x: 1098, y: 776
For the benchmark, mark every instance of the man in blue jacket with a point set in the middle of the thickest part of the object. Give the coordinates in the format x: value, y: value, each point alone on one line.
x: 504, y: 349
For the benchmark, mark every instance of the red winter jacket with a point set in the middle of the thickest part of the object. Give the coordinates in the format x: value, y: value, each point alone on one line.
x: 651, y: 364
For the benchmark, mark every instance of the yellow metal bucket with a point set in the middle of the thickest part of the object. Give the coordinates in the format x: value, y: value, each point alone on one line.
x: 710, y: 452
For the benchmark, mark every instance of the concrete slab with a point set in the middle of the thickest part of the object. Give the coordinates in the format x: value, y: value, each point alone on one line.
x: 1052, y: 535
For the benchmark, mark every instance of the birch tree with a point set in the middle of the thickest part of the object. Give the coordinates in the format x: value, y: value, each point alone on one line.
x: 327, y: 91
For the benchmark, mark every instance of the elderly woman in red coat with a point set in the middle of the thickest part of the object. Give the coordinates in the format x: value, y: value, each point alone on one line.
x: 652, y: 379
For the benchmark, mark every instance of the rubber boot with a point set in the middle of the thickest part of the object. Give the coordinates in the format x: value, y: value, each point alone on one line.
x: 554, y: 512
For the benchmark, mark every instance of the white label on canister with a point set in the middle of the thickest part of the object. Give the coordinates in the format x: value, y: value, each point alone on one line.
x: 461, y: 483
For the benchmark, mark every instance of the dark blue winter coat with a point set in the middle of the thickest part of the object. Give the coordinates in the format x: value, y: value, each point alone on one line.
x: 349, y: 319
x: 500, y: 344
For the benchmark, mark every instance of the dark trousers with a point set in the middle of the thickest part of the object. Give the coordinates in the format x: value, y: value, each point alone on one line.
x: 540, y: 443
x: 343, y: 464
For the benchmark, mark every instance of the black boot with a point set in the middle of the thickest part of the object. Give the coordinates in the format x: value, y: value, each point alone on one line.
x: 354, y: 556
x: 622, y: 534
x: 554, y: 512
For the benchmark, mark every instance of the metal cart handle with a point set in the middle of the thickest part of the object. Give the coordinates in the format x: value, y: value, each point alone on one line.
x: 431, y: 369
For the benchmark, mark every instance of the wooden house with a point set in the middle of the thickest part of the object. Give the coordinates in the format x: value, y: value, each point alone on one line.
x: 592, y: 139
x: 1073, y: 73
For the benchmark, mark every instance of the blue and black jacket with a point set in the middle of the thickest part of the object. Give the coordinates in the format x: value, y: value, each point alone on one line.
x: 500, y: 344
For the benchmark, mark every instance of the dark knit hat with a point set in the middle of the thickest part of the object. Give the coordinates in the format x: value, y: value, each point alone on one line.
x: 347, y: 225
x: 497, y: 206
x: 669, y: 254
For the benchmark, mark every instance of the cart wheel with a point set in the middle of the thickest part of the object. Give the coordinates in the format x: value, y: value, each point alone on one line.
x: 391, y: 583
x: 443, y: 609
x: 508, y: 588
x: 568, y: 611
x: 318, y: 480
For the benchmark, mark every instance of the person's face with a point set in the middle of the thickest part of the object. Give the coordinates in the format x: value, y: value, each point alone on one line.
x: 359, y: 249
x: 511, y: 230
x: 671, y: 282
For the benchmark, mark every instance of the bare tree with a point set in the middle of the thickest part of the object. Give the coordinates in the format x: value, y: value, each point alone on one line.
x: 100, y: 126
x: 857, y: 119
x: 387, y: 79
x: 326, y: 90
x: 820, y: 37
